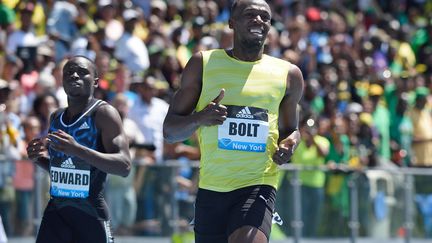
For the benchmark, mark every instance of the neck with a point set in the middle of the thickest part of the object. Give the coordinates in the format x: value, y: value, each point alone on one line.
x: 249, y: 53
x: 76, y: 106
x: 247, y: 57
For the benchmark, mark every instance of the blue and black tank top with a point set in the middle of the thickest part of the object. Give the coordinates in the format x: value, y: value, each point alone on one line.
x: 74, y: 182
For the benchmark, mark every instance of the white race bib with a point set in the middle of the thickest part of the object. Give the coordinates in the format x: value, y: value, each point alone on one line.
x: 245, y: 129
x: 68, y: 182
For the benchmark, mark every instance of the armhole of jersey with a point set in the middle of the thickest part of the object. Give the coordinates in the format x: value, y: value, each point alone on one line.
x: 205, y: 55
x: 287, y: 79
x: 205, y: 59
x: 95, y: 109
x: 57, y: 114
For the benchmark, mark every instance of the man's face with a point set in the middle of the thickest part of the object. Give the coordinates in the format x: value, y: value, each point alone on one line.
x: 79, y: 78
x: 147, y: 90
x: 251, y: 22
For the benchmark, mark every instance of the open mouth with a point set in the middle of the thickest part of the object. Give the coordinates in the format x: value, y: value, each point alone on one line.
x: 256, y: 31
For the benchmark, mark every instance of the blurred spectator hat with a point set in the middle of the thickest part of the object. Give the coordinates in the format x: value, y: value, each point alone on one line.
x: 136, y: 79
x: 421, y: 92
x: 130, y: 14
x: 375, y: 90
x: 354, y: 107
x: 209, y: 42
x: 158, y: 4
x: 4, y: 85
x: 313, y: 14
x: 155, y: 49
x: 177, y: 3
x: 366, y: 118
x: 104, y: 3
x: 46, y: 80
x: 198, y: 22
x: 7, y: 15
x: 45, y: 50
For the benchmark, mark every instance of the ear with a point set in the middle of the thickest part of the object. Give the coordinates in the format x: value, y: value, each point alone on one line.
x: 230, y: 23
x: 96, y: 82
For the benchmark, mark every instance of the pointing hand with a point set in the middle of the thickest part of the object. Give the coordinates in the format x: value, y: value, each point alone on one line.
x: 214, y: 113
x: 219, y: 97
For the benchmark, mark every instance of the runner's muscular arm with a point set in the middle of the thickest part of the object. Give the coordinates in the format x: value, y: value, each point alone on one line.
x: 181, y: 121
x: 289, y: 137
x: 289, y: 112
x: 115, y: 159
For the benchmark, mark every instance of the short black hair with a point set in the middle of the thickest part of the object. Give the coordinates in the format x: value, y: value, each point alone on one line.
x: 93, y: 65
x: 234, y: 5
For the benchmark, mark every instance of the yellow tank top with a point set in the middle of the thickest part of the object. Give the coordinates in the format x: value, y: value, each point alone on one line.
x: 239, y: 152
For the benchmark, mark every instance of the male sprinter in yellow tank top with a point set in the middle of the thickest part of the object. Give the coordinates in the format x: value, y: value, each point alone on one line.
x: 235, y: 99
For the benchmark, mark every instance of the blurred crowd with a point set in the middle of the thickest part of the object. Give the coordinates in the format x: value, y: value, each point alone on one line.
x: 367, y: 66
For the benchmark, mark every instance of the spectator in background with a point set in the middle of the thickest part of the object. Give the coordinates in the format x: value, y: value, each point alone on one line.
x: 422, y: 134
x: 84, y: 20
x: 7, y: 19
x: 197, y: 32
x: 12, y: 67
x: 148, y: 112
x: 38, y: 18
x: 25, y: 36
x: 312, y: 102
x: 61, y: 26
x: 103, y: 64
x: 130, y: 49
x: 107, y: 11
x: 312, y: 151
x: 171, y: 69
x: 43, y: 106
x: 179, y: 38
x: 336, y: 183
x: 186, y: 176
x: 10, y: 143
x: 368, y: 140
x: 401, y: 133
x: 59, y: 90
x: 45, y: 81
x: 23, y: 43
x: 381, y: 120
x: 24, y: 180
x: 120, y: 193
x: 421, y: 118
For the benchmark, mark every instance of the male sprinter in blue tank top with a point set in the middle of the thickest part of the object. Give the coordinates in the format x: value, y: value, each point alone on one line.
x: 85, y: 142
x: 235, y: 100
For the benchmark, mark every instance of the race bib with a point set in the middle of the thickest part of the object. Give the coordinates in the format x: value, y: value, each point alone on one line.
x: 69, y: 182
x: 245, y: 129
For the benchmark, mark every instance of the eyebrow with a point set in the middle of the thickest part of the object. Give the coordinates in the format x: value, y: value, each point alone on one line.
x: 261, y: 10
x: 257, y: 7
x: 77, y: 65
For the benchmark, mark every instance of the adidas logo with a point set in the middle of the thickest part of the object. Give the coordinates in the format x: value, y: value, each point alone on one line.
x: 84, y: 126
x: 277, y: 219
x: 68, y: 164
x: 245, y: 113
